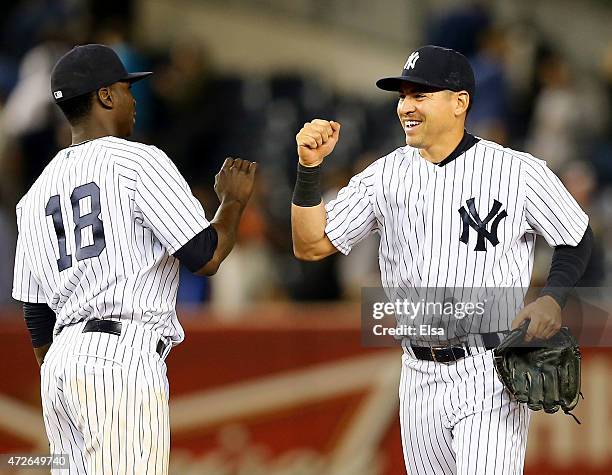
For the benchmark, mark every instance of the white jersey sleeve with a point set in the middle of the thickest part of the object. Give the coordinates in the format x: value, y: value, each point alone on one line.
x: 165, y: 203
x: 25, y: 286
x: 351, y: 217
x: 550, y: 209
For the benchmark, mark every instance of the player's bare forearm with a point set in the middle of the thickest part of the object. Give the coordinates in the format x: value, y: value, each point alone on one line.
x: 226, y: 223
x: 310, y: 243
x: 40, y: 353
x: 315, y: 141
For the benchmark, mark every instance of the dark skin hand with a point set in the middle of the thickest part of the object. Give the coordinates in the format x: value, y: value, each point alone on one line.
x: 544, y: 315
x: 233, y: 185
x: 234, y: 182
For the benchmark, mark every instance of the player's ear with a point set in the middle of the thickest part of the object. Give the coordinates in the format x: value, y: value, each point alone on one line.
x: 105, y: 97
x: 463, y: 102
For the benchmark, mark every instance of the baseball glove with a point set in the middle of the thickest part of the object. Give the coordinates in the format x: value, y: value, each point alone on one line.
x: 544, y: 374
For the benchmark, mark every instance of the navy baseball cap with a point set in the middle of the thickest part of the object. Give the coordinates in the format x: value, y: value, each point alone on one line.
x: 435, y: 67
x: 87, y: 68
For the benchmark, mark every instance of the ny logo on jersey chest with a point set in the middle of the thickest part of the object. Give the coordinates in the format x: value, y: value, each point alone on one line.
x: 471, y: 219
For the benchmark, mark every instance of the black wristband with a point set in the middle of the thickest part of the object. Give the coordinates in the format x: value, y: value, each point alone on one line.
x: 307, y: 191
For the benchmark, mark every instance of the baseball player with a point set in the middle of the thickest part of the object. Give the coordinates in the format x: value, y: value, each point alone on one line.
x: 452, y: 210
x: 101, y: 234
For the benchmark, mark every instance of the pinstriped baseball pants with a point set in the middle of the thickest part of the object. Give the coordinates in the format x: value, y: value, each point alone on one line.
x: 458, y: 419
x: 105, y: 401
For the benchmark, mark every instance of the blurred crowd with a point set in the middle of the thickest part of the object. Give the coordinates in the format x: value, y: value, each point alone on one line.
x: 529, y: 96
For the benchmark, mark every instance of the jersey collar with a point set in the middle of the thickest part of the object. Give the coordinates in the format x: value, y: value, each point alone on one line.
x: 467, y: 142
x: 88, y: 140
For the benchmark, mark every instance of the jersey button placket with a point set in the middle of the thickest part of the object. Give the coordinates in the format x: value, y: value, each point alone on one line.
x: 429, y: 203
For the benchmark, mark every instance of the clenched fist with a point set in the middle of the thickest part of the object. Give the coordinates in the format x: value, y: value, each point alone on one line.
x: 234, y: 182
x: 316, y: 140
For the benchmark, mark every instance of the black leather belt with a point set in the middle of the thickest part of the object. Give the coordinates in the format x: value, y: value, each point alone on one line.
x: 448, y: 354
x: 114, y: 328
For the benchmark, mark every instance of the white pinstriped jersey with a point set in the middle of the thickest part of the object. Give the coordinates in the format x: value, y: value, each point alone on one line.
x: 428, y: 216
x: 97, y: 231
x: 469, y: 223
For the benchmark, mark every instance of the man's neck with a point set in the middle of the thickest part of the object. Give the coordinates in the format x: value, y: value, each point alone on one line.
x: 85, y: 132
x: 442, y: 148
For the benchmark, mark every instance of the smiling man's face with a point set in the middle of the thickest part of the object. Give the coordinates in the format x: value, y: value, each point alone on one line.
x: 426, y: 114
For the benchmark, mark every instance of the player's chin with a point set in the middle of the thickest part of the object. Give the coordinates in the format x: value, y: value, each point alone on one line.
x: 412, y: 141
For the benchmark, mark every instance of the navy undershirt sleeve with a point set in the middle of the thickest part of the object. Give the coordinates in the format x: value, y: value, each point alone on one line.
x: 199, y: 250
x: 40, y: 320
x: 567, y: 266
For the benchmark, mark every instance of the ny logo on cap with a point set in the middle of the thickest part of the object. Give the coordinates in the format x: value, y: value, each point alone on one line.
x: 412, y: 59
x: 58, y: 94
